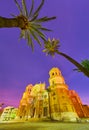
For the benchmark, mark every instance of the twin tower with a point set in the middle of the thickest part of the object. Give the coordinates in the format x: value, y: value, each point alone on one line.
x: 56, y: 101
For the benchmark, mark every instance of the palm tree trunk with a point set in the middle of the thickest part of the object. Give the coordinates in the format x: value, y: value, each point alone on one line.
x: 8, y: 22
x: 18, y: 21
x: 79, y: 66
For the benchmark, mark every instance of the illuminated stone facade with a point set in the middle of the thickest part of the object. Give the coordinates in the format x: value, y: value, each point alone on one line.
x: 82, y: 110
x: 40, y: 99
x: 56, y: 102
x: 34, y: 102
x: 86, y: 110
x: 26, y: 103
x: 60, y: 103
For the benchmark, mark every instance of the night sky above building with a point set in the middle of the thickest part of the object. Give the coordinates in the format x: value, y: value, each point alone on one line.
x: 19, y: 66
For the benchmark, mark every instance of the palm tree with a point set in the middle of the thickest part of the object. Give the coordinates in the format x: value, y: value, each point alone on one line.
x: 28, y: 21
x: 52, y: 46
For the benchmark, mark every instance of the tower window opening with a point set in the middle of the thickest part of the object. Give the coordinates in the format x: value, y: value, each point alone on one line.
x: 52, y: 73
x: 56, y: 73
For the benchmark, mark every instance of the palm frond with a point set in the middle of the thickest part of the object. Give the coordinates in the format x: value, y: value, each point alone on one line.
x: 18, y: 6
x: 34, y: 17
x: 40, y: 34
x: 13, y: 15
x: 24, y: 8
x: 45, y: 29
x: 38, y: 9
x: 39, y: 26
x: 85, y: 64
x: 25, y: 35
x: 35, y: 24
x: 22, y: 34
x: 45, y: 19
x: 29, y: 39
x: 35, y: 37
x: 31, y: 10
x: 76, y: 69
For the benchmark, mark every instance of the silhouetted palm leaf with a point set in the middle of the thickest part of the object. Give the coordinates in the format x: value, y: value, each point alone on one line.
x: 17, y: 4
x: 31, y: 10
x: 25, y: 8
x: 39, y: 8
x: 85, y: 64
x: 33, y: 24
x: 30, y: 42
x: 44, y: 19
x: 34, y: 36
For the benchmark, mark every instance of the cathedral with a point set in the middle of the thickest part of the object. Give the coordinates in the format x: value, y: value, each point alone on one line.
x: 56, y: 102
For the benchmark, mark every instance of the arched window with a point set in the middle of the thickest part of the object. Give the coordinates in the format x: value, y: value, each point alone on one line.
x: 52, y: 74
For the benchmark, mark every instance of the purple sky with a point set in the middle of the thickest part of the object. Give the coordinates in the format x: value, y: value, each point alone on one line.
x: 20, y: 67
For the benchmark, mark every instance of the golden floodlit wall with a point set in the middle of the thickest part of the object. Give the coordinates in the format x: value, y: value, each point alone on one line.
x: 56, y: 101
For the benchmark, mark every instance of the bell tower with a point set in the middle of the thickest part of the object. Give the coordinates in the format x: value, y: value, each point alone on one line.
x: 61, y: 106
x: 56, y: 79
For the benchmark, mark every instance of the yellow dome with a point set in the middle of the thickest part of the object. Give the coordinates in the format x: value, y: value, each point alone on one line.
x: 54, y: 72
